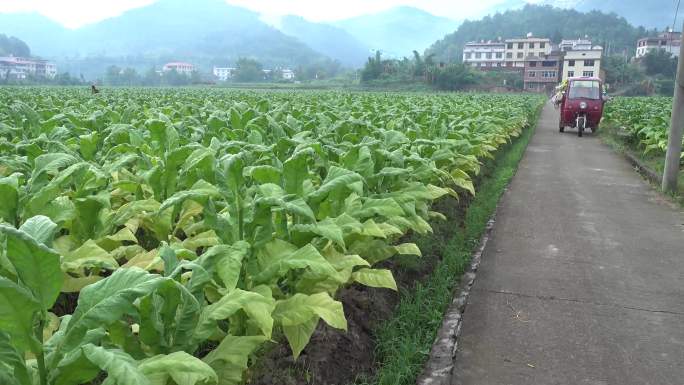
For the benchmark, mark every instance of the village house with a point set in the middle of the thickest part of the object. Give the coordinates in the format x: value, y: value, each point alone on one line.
x: 224, y: 73
x: 21, y: 68
x: 180, y: 67
x: 668, y: 41
x: 519, y: 49
x: 542, y: 73
x: 582, y: 62
x: 484, y: 54
x: 574, y: 45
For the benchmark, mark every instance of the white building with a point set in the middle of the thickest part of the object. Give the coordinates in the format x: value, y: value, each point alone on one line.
x: 518, y: 49
x: 21, y: 68
x: 585, y: 62
x: 180, y: 67
x: 484, y: 54
x: 668, y: 41
x: 288, y: 74
x: 573, y: 45
x: 224, y: 73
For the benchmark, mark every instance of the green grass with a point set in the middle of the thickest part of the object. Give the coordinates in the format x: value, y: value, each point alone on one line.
x: 405, y: 340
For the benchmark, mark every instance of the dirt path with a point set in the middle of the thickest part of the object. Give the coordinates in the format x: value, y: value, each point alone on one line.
x: 582, y: 281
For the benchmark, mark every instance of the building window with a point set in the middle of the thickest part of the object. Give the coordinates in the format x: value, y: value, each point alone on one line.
x: 483, y: 64
x: 588, y: 73
x: 549, y: 74
x: 478, y: 55
x: 520, y: 55
x: 531, y: 45
x: 488, y: 55
x: 509, y: 55
x: 509, y: 45
x: 499, y: 55
x: 520, y: 46
x: 588, y: 63
x: 571, y: 63
x: 531, y: 74
x: 468, y: 55
x: 530, y: 54
x: 548, y: 64
x: 571, y: 74
x: 530, y: 86
x: 533, y: 64
x: 542, y: 45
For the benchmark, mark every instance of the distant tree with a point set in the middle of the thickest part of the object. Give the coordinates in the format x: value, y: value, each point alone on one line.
x: 454, y: 77
x: 373, y: 68
x: 620, y: 71
x: 195, y: 77
x: 129, y: 77
x: 113, y: 75
x: 151, y: 77
x: 174, y: 78
x: 659, y: 62
x: 248, y: 70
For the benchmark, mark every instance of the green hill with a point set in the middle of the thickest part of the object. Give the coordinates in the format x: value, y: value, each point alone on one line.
x: 610, y: 30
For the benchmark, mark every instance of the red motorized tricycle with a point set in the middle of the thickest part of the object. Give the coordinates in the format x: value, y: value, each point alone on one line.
x: 581, y: 104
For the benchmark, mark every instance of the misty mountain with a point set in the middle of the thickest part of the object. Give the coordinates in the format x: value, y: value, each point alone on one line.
x: 327, y: 39
x: 609, y: 30
x: 204, y: 32
x: 399, y: 30
x: 43, y: 35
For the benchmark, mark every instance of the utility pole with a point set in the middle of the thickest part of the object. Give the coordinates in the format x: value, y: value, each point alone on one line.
x: 674, y: 142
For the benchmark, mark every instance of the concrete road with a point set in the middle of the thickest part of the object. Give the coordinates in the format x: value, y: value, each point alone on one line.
x: 582, y: 281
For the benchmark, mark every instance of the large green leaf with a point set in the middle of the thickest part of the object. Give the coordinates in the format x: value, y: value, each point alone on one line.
x: 11, y: 357
x: 301, y: 308
x: 108, y: 300
x: 17, y: 310
x: 180, y: 367
x: 121, y: 368
x: 258, y: 306
x: 36, y: 265
x: 229, y: 359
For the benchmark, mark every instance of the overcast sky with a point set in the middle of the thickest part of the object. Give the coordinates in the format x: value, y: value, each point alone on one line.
x: 74, y: 13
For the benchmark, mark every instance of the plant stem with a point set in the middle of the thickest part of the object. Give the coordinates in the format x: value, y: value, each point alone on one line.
x: 40, y: 357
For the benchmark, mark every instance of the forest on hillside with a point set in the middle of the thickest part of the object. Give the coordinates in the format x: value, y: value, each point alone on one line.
x: 613, y: 32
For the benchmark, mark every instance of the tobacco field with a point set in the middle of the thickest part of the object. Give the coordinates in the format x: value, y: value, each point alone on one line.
x: 167, y: 236
x: 645, y: 119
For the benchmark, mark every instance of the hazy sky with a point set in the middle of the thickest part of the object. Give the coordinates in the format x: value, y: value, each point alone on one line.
x: 74, y: 13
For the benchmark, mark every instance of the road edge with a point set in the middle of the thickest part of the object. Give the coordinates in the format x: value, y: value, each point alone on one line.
x: 439, y: 367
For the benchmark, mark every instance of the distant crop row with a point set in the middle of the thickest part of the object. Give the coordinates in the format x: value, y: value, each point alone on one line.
x: 645, y: 119
x: 164, y: 236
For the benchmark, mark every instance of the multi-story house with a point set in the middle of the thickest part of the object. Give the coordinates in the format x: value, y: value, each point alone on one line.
x: 668, y: 41
x: 484, y: 54
x: 180, y: 67
x: 21, y: 68
x: 519, y: 49
x: 584, y: 62
x: 224, y: 73
x: 542, y: 73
